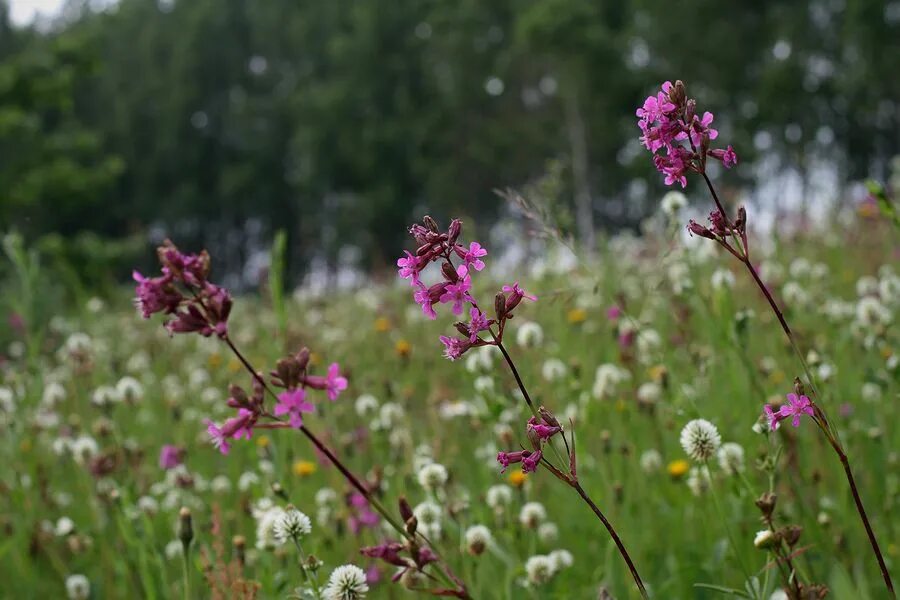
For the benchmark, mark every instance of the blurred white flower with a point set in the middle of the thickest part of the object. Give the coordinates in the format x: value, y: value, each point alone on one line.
x: 78, y: 587
x: 529, y: 335
x: 731, y: 458
x: 651, y: 461
x: 478, y: 537
x: 539, y: 569
x: 432, y: 477
x: 700, y: 440
x: 532, y: 515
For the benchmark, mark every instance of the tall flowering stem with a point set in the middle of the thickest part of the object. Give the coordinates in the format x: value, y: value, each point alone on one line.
x: 668, y: 121
x: 192, y: 304
x: 457, y: 263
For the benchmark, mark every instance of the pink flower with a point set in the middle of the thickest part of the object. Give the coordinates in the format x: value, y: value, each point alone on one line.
x: 333, y: 383
x: 219, y: 440
x: 543, y: 430
x: 530, y: 463
x: 728, y: 156
x: 409, y: 267
x: 427, y: 297
x: 293, y: 403
x: 155, y: 295
x: 797, y: 407
x: 613, y: 313
x: 472, y: 256
x: 478, y: 323
x: 454, y: 347
x: 516, y: 294
x: 458, y: 292
x: 508, y: 458
x: 701, y: 126
x: 170, y: 456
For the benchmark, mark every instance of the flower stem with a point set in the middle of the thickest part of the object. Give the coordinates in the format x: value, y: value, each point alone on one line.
x: 615, y: 537
x: 827, y: 428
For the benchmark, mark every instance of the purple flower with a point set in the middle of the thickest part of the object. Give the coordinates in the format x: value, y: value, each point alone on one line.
x: 155, y: 295
x: 479, y: 323
x: 170, y: 456
x: 427, y: 297
x: 797, y: 407
x: 515, y: 296
x: 701, y: 126
x: 530, y: 463
x: 454, y: 347
x: 458, y: 292
x: 543, y: 430
x: 727, y: 156
x: 409, y: 267
x: 509, y: 458
x: 218, y: 438
x: 333, y: 383
x: 472, y: 256
x: 293, y: 403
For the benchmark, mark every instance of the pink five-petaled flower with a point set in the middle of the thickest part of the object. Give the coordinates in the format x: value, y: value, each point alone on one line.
x: 218, y: 438
x: 478, y: 324
x: 155, y: 294
x: 458, y: 292
x: 472, y: 256
x: 333, y: 383
x: 728, y: 156
x: 427, y: 297
x: 701, y: 127
x: 454, y: 347
x: 293, y: 403
x: 797, y: 407
x: 409, y: 267
x: 515, y: 296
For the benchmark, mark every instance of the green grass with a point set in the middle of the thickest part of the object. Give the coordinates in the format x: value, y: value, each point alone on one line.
x: 709, y: 363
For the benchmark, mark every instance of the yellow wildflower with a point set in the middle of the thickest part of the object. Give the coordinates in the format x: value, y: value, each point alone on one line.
x: 677, y: 468
x: 382, y: 325
x: 577, y: 315
x: 402, y: 348
x: 518, y: 478
x: 262, y: 441
x: 303, y: 468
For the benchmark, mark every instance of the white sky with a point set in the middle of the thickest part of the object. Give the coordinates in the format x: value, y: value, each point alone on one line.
x: 23, y: 12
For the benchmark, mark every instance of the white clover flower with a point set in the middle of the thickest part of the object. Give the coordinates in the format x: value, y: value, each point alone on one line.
x: 326, y: 496
x: 484, y: 384
x: 347, y: 582
x: 699, y: 480
x: 889, y: 288
x: 291, y: 524
x: 64, y: 526
x: 651, y: 461
x: 529, y: 335
x: 78, y: 587
x: 83, y: 448
x: 365, y: 405
x: 731, y: 458
x: 700, y: 440
x: 390, y: 415
x: 54, y: 393
x: 7, y: 400
x: 480, y: 359
x: 532, y: 515
x: 649, y: 392
x: 553, y: 369
x: 138, y: 362
x: 679, y: 275
x: 561, y: 559
x: 548, y: 532
x: 607, y: 379
x: 871, y: 392
x: 148, y: 504
x: 174, y: 549
x: 771, y: 271
x: 870, y: 312
x: 672, y: 202
x: 432, y: 477
x: 478, y: 537
x: 104, y: 396
x: 795, y: 293
x: 220, y: 484
x: 428, y: 513
x: 722, y: 279
x: 247, y: 480
x: 78, y: 344
x: 539, y: 569
x: 648, y: 341
x: 130, y: 390
x: 866, y: 286
x: 265, y: 527
x: 498, y: 497
x: 799, y: 268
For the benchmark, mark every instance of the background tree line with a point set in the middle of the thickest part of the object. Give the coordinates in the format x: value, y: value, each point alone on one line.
x: 220, y: 121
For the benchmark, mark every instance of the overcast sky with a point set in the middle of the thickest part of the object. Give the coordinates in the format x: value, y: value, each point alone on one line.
x: 23, y: 12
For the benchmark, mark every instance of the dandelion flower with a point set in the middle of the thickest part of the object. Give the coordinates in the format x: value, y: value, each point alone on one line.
x: 347, y: 582
x: 478, y: 537
x: 700, y: 440
x: 539, y: 569
x: 433, y: 476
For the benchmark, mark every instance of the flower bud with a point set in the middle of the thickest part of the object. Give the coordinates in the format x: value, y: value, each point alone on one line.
x: 430, y: 223
x: 239, y: 544
x: 678, y: 94
x: 185, y: 527
x: 765, y: 539
x: 766, y: 503
x: 791, y: 534
x: 406, y: 511
x: 500, y: 305
x: 454, y: 231
x: 799, y: 388
x: 462, y: 328
x: 303, y: 358
x: 690, y: 109
x: 449, y: 272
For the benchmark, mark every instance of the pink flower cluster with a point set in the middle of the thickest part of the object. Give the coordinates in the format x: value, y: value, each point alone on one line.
x: 667, y: 120
x: 290, y: 374
x: 539, y: 431
x: 184, y: 292
x: 442, y: 247
x: 796, y: 407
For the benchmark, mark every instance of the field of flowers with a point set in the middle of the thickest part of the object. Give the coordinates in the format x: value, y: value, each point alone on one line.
x: 147, y: 461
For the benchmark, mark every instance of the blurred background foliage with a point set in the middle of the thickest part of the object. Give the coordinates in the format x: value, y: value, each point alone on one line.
x: 220, y: 122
